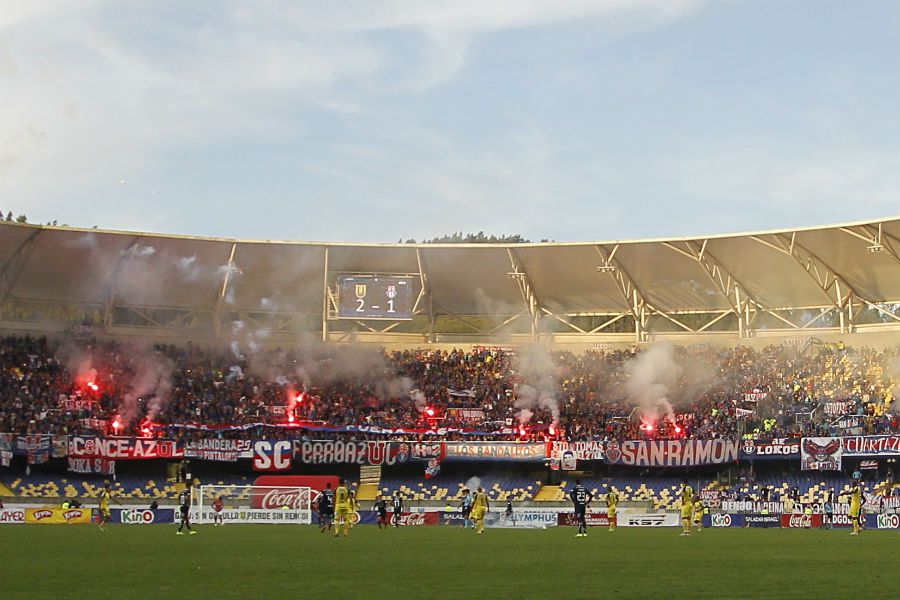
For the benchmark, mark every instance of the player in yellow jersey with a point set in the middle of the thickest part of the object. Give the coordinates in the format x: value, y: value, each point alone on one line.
x: 480, y: 506
x: 341, y: 509
x: 698, y: 513
x: 105, y: 497
x: 612, y: 500
x: 855, y: 506
x: 354, y: 507
x: 687, y: 499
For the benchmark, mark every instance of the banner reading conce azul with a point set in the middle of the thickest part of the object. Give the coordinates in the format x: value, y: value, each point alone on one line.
x: 671, y: 453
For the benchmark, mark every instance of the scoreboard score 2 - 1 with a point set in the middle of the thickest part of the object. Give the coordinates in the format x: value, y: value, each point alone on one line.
x: 375, y: 297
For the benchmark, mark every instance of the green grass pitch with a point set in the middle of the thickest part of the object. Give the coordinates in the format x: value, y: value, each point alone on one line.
x: 250, y: 561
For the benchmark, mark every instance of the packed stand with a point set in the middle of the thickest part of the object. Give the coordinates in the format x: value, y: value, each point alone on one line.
x: 91, y: 386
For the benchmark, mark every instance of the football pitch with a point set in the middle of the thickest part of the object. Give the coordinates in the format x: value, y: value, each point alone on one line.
x: 258, y: 561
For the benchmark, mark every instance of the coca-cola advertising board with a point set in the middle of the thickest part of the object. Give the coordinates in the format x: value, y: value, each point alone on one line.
x: 277, y: 491
x: 801, y: 521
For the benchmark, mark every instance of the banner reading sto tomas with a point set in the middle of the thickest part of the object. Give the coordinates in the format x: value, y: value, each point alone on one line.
x: 671, y: 453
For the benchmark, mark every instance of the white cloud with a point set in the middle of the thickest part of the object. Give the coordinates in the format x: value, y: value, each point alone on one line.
x: 93, y: 91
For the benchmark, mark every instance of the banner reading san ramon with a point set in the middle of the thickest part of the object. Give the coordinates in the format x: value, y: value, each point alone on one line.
x: 671, y: 453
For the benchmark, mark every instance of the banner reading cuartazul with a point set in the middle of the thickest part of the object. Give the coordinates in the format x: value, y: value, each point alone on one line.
x: 671, y: 453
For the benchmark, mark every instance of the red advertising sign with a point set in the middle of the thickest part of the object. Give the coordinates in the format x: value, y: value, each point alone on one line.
x: 801, y: 521
x: 272, y: 489
x: 593, y: 519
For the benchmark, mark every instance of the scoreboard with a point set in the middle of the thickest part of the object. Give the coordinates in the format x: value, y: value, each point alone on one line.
x: 375, y: 297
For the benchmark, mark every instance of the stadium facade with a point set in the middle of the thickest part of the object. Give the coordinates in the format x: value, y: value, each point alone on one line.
x: 837, y: 279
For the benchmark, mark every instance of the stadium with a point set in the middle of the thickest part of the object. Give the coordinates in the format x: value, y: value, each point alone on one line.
x: 526, y: 299
x: 204, y: 376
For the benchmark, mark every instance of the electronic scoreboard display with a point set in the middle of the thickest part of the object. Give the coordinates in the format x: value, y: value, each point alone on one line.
x: 375, y: 297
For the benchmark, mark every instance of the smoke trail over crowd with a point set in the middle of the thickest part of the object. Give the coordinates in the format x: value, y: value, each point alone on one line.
x: 652, y: 377
x: 539, y: 389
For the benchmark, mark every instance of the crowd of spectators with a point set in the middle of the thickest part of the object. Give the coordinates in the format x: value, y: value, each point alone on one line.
x: 91, y: 386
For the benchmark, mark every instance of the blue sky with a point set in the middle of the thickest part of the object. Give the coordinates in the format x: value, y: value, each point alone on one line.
x: 366, y: 120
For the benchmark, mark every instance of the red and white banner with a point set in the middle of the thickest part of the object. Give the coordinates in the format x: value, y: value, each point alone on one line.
x: 273, y: 455
x: 122, y: 448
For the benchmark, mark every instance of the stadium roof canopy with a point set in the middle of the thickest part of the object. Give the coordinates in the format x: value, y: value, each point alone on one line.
x: 841, y: 276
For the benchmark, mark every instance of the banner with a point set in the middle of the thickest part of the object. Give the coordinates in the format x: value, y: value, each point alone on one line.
x: 711, y: 498
x: 74, y: 404
x: 58, y: 516
x: 376, y: 452
x: 667, y: 519
x: 123, y: 448
x: 94, y: 423
x: 778, y: 448
x: 260, y: 516
x: 837, y: 409
x: 36, y: 447
x: 755, y: 396
x: 142, y: 516
x: 593, y: 519
x: 762, y: 520
x: 60, y: 446
x: 872, y: 445
x: 98, y: 466
x: 12, y: 516
x: 217, y: 450
x: 500, y: 451
x: 475, y: 415
x: 271, y: 455
x: 582, y: 450
x: 821, y: 454
x: 671, y: 453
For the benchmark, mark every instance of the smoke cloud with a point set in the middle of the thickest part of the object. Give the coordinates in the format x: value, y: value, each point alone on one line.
x: 652, y: 377
x: 538, y: 389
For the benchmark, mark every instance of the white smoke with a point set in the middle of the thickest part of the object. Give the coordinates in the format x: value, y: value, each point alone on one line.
x: 652, y: 376
x: 539, y: 389
x: 473, y: 483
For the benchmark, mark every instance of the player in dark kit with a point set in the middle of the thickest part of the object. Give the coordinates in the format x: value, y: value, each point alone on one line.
x: 381, y: 507
x: 184, y: 507
x: 397, y: 503
x: 580, y: 498
x: 325, y: 508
